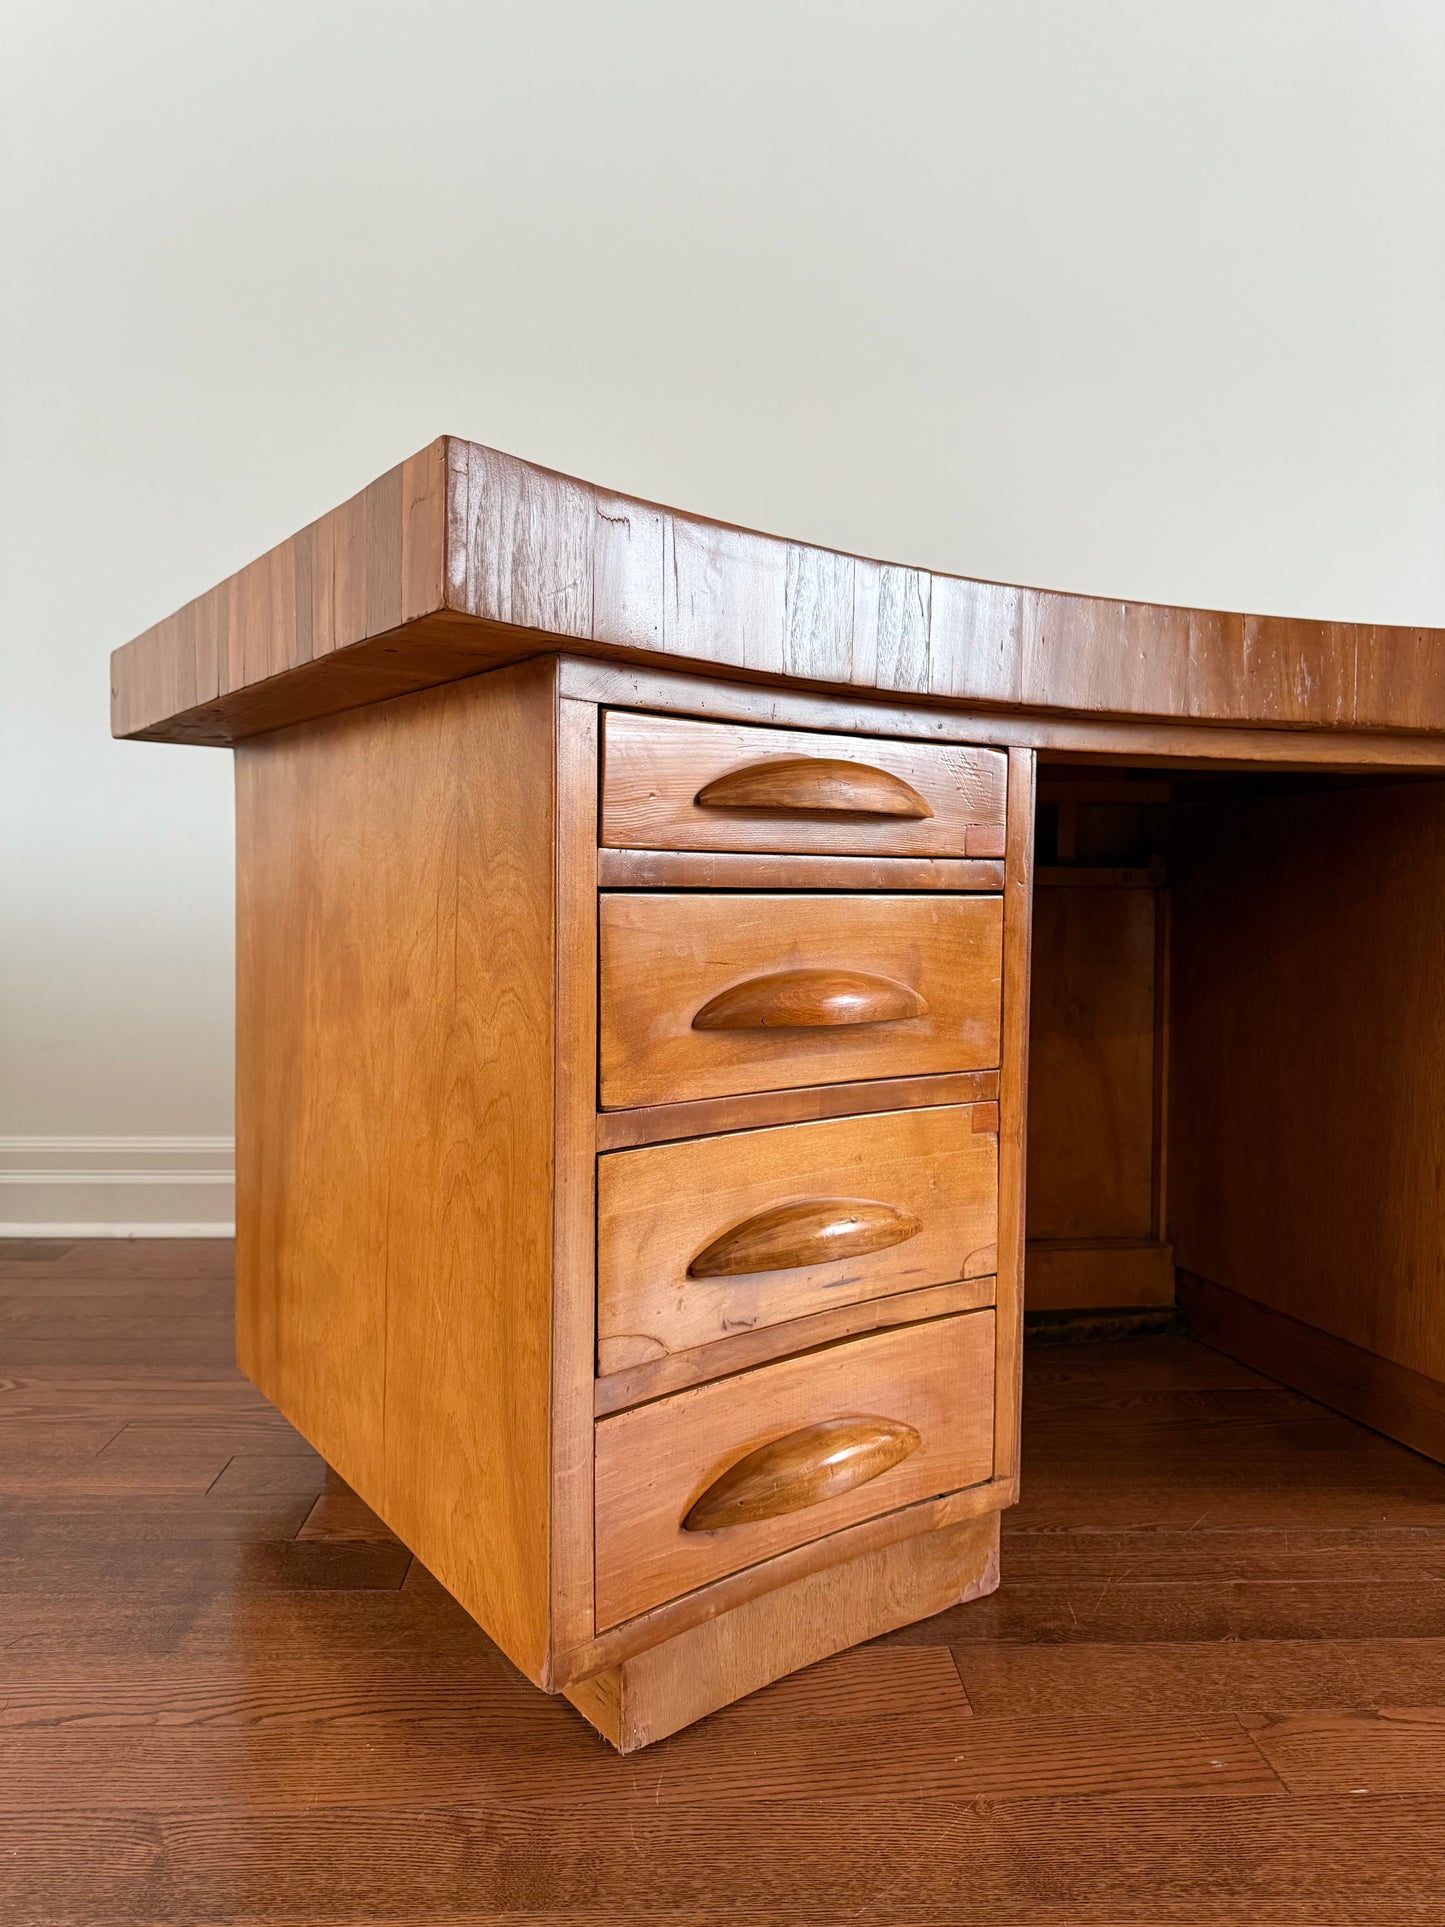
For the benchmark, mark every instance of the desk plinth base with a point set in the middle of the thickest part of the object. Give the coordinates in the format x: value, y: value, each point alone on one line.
x: 694, y: 1673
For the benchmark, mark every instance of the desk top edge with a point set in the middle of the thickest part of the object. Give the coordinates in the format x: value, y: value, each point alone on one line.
x: 462, y: 558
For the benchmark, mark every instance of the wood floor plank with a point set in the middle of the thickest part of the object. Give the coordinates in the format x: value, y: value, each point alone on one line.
x: 52, y: 1526
x: 1326, y: 1861
x: 1164, y: 1680
x: 1323, y: 1555
x: 1157, y: 1364
x: 1388, y: 1749
x: 135, y: 1259
x: 339, y: 1515
x: 1087, y: 1613
x: 418, y: 1696
x: 916, y: 1685
x: 209, y: 1566
x: 551, y: 1764
x: 240, y: 1703
x: 70, y: 1391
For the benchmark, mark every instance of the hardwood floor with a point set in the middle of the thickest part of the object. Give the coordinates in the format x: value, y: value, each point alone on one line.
x: 1212, y: 1688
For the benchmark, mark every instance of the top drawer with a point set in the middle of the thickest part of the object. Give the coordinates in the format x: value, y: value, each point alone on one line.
x: 672, y: 784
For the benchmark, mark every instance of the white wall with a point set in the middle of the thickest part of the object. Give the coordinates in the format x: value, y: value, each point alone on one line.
x: 1146, y: 299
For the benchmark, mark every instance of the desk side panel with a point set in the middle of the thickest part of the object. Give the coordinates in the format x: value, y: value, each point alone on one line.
x: 1307, y: 1064
x: 394, y: 1118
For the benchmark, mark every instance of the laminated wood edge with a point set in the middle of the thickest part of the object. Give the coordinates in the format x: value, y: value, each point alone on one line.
x: 712, y: 691
x: 607, y: 575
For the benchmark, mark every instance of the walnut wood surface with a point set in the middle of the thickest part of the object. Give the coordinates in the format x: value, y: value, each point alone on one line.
x: 574, y: 1163
x: 1107, y: 741
x: 1092, y: 1064
x: 750, y: 1110
x: 760, y: 870
x: 802, y: 1469
x: 646, y: 1698
x: 395, y: 1141
x: 1308, y: 1059
x: 1098, y: 1274
x: 809, y: 1232
x: 669, y: 782
x: 741, y: 1350
x: 1013, y: 1110
x: 800, y: 784
x: 652, y: 1463
x: 613, y: 1644
x: 659, y: 1207
x: 810, y: 999
x: 664, y: 958
x: 1395, y: 1399
x: 463, y: 558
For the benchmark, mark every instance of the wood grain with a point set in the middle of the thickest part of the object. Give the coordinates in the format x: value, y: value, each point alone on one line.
x: 663, y: 958
x: 574, y: 1162
x: 652, y: 1463
x: 1308, y: 1049
x: 750, y: 1110
x: 801, y: 785
x: 1402, y: 1403
x: 395, y: 1120
x: 509, y: 555
x: 809, y: 998
x: 1063, y: 1274
x: 614, y: 1644
x: 1107, y: 742
x: 1092, y: 1065
x: 674, y: 784
x: 659, y: 1207
x: 205, y: 1716
x: 635, y: 1384
x: 802, y: 1469
x: 748, y: 870
x: 696, y: 1672
x: 789, y: 1237
x: 1013, y: 1111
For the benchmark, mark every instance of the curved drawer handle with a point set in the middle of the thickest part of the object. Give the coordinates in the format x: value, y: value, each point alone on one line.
x: 809, y: 1232
x: 809, y: 999
x: 802, y: 1469
x: 814, y: 783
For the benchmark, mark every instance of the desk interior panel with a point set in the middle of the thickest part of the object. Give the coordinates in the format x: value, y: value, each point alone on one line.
x: 1308, y: 1065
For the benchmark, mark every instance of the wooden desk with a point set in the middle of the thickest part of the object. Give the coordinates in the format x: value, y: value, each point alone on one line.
x: 634, y: 978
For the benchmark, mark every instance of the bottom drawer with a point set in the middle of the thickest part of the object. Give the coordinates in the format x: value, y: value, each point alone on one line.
x: 719, y: 1477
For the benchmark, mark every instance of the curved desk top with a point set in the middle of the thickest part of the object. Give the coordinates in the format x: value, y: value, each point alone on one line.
x: 463, y: 558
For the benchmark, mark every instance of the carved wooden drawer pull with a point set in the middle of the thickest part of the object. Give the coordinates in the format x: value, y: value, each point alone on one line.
x: 802, y: 1469
x: 811, y: 1231
x: 814, y: 783
x: 809, y: 999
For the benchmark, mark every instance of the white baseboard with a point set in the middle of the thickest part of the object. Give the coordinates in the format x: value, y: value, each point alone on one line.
x: 117, y: 1187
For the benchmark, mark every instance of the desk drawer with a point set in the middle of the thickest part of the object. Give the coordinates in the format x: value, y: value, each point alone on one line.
x: 717, y: 1478
x: 702, y: 1239
x: 706, y: 996
x: 669, y: 783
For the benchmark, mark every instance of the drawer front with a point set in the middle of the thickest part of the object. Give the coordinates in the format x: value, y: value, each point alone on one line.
x: 672, y: 784
x: 700, y: 1240
x: 714, y: 1479
x: 707, y: 996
